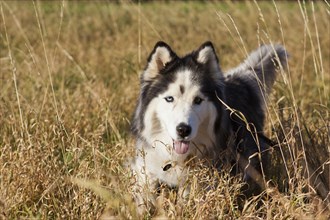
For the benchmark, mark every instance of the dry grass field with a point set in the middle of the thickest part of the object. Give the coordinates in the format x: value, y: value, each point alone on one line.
x: 69, y: 81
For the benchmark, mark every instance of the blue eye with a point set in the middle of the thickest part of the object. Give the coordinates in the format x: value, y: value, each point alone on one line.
x: 198, y: 100
x: 169, y: 99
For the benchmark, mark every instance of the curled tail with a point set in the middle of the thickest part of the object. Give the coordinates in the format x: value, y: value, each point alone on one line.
x: 263, y: 63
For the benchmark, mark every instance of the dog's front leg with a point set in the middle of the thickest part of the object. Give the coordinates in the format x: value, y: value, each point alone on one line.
x: 144, y: 188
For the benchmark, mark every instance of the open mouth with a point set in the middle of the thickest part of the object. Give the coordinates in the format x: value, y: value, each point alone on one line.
x: 181, y: 147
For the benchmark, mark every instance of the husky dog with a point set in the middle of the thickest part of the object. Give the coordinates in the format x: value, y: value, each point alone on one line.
x: 188, y: 108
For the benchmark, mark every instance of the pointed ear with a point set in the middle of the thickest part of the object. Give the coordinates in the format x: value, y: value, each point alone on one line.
x: 206, y: 55
x: 159, y: 57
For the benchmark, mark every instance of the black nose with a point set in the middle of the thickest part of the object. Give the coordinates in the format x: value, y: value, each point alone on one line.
x: 183, y: 130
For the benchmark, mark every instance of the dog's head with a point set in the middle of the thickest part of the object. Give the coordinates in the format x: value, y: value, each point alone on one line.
x: 177, y: 97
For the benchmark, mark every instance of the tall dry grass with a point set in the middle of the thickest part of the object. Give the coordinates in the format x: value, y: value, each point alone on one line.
x: 69, y: 81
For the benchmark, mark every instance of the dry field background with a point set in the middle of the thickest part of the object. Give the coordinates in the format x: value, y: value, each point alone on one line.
x: 68, y: 85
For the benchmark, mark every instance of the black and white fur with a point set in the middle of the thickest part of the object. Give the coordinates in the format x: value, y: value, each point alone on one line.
x: 188, y: 108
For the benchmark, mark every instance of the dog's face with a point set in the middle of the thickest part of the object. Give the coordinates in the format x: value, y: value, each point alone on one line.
x: 181, y: 109
x: 178, y: 93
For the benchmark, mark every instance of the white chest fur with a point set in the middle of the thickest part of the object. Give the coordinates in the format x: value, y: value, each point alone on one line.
x: 159, y: 163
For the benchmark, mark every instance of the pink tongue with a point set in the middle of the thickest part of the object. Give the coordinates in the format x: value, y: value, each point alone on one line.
x: 181, y: 147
